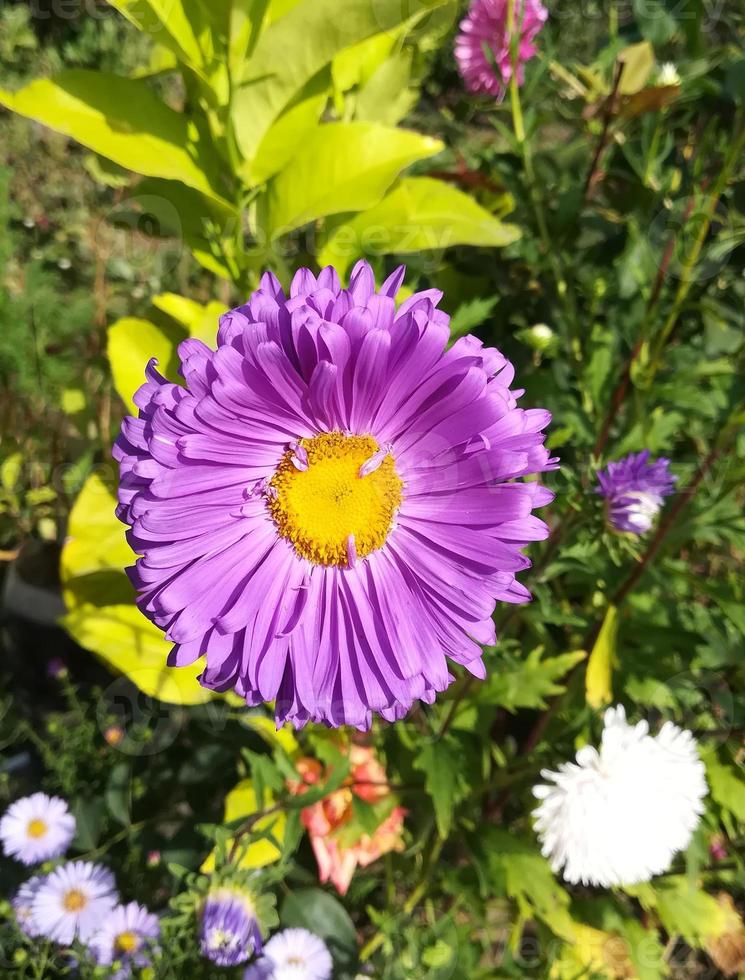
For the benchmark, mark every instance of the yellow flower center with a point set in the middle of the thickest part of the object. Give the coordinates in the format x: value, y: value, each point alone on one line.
x: 74, y: 900
x: 319, y: 500
x: 36, y: 828
x: 126, y: 942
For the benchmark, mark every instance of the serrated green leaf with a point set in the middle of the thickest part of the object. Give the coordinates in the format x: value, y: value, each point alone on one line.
x: 442, y: 766
x: 527, y: 683
x: 727, y: 787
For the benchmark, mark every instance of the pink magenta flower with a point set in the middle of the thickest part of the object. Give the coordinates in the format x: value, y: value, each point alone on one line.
x: 325, y: 819
x: 482, y: 48
x: 331, y: 506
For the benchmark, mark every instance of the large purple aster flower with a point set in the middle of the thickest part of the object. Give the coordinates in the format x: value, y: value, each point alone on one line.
x: 326, y: 510
x: 482, y: 48
x: 635, y: 488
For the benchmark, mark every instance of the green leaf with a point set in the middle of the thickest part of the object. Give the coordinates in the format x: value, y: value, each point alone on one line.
x: 341, y: 167
x: 386, y: 96
x: 240, y: 804
x: 118, y: 793
x: 291, y: 130
x: 638, y: 62
x: 120, y: 118
x: 727, y: 787
x: 182, y: 26
x: 130, y: 345
x: 598, y: 679
x: 88, y: 814
x: 441, y: 764
x: 102, y: 616
x: 527, y: 683
x: 321, y: 913
x: 419, y: 214
x: 10, y: 471
x: 518, y: 871
x: 295, y: 47
x: 470, y: 315
x: 201, y: 320
x: 687, y: 911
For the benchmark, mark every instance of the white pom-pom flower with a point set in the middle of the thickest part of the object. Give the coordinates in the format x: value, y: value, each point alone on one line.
x: 618, y: 815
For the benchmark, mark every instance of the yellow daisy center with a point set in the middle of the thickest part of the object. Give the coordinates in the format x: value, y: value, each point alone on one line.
x: 74, y: 900
x: 322, y: 503
x: 126, y: 942
x: 36, y: 828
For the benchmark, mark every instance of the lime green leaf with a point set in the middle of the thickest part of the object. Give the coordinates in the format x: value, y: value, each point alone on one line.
x: 130, y: 345
x: 419, y: 214
x: 291, y: 130
x: 527, y: 683
x: 341, y: 167
x: 598, y: 685
x: 727, y: 787
x: 386, y: 96
x: 201, y: 320
x: 357, y: 64
x: 638, y: 62
x: 102, y: 616
x: 182, y: 26
x: 284, y: 59
x: 442, y: 766
x: 120, y: 118
x: 241, y: 803
x: 10, y: 471
x: 689, y: 912
x: 518, y: 871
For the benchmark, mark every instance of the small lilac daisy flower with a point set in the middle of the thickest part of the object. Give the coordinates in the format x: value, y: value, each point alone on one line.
x: 634, y: 488
x: 22, y: 903
x: 37, y: 828
x: 486, y: 28
x: 293, y: 954
x: 127, y: 938
x: 229, y: 930
x: 331, y: 506
x: 71, y: 902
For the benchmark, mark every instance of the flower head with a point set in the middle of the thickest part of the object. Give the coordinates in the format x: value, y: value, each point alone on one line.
x: 229, y: 931
x: 126, y: 937
x: 483, y: 46
x: 37, y: 828
x: 330, y: 818
x: 293, y: 954
x: 618, y: 815
x: 72, y: 901
x: 634, y: 488
x: 328, y: 511
x: 22, y: 903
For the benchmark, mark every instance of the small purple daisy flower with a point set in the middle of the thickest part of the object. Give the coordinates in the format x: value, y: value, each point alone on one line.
x: 634, y: 488
x: 486, y: 29
x: 330, y: 507
x: 293, y: 954
x: 37, y: 828
x: 229, y: 931
x: 22, y: 903
x: 127, y: 938
x: 71, y: 902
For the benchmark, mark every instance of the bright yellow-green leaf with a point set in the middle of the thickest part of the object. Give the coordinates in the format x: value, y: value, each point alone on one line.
x: 598, y: 679
x: 10, y: 471
x: 688, y: 911
x: 120, y: 118
x: 241, y: 802
x: 130, y: 345
x: 386, y: 97
x: 201, y: 320
x: 285, y: 58
x: 264, y: 726
x: 182, y: 26
x: 341, y: 167
x: 419, y: 214
x: 638, y: 62
x: 592, y: 953
x: 291, y: 130
x: 356, y: 64
x: 727, y: 787
x: 101, y: 614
